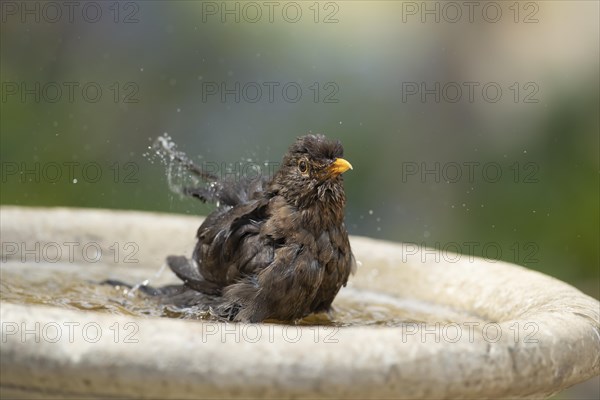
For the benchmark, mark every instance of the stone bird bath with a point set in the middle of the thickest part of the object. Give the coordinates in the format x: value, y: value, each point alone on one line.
x: 491, y: 329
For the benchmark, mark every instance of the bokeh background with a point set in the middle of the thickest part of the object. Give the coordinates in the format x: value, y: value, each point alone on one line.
x: 367, y: 71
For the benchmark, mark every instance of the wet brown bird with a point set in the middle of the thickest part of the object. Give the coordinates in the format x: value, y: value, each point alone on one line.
x: 274, y: 248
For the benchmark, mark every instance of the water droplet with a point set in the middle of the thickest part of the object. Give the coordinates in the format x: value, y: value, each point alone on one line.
x: 74, y: 180
x: 370, y: 212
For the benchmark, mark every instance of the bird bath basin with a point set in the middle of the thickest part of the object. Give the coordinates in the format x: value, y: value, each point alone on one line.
x: 411, y: 324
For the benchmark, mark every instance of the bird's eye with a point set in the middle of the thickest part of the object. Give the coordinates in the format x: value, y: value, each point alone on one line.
x: 303, y: 166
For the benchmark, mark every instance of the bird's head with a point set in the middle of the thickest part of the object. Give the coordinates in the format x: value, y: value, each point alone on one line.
x: 310, y: 174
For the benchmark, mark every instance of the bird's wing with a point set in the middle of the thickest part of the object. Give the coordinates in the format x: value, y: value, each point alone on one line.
x: 230, y: 245
x: 294, y: 273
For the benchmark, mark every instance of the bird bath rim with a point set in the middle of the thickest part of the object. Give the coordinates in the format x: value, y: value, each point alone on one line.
x: 180, y: 359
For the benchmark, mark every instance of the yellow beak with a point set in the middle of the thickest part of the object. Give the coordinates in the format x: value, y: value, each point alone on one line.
x: 339, y: 166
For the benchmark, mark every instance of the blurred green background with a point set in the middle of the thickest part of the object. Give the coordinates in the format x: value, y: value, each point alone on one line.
x: 357, y: 64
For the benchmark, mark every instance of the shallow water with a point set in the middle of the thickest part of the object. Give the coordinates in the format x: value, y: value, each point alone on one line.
x: 75, y: 286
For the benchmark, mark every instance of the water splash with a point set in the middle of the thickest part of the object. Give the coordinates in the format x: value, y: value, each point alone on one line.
x: 132, y: 292
x: 181, y: 172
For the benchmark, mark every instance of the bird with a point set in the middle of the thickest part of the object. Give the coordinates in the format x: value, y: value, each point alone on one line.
x: 276, y: 247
